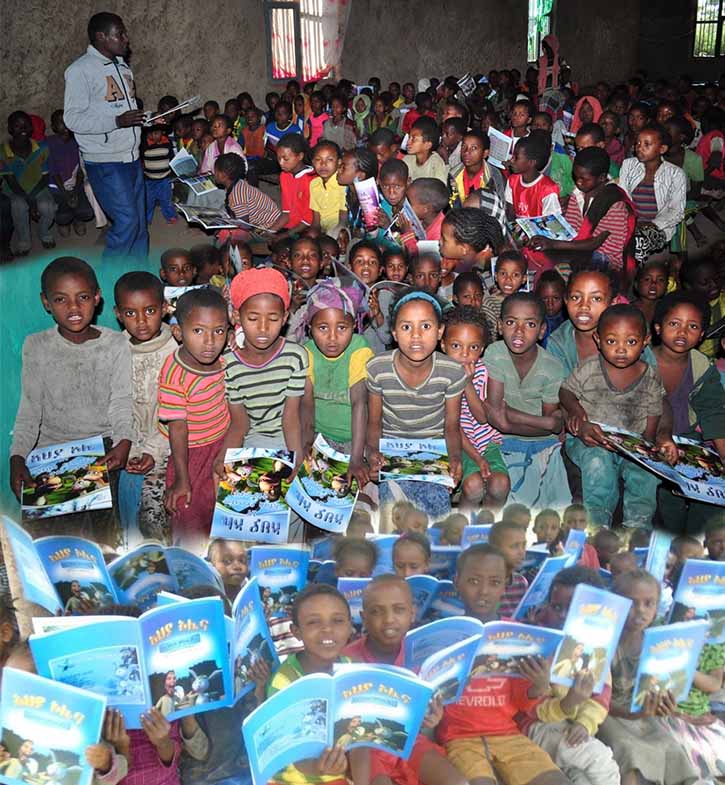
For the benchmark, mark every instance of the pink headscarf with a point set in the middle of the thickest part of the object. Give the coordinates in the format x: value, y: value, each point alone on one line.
x: 576, y: 122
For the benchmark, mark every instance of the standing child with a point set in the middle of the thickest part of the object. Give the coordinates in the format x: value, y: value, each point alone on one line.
x: 528, y: 192
x: 139, y: 298
x: 422, y: 159
x: 294, y: 183
x: 510, y: 540
x: 231, y: 561
x: 510, y: 276
x: 157, y: 152
x: 76, y: 384
x: 327, y: 196
x: 194, y: 413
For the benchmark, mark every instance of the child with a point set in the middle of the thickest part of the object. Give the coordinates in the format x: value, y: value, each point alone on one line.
x: 254, y: 135
x: 699, y: 277
x: 357, y: 165
x: 510, y: 276
x: 423, y: 108
x: 640, y: 742
x: 338, y: 129
x: 280, y: 127
x: 621, y: 563
x: 177, y: 268
x: 406, y: 517
x: 522, y: 403
x: 528, y: 192
x: 520, y: 119
x: 448, y: 277
x: 411, y: 554
x: 139, y: 299
x: 354, y: 558
x: 422, y: 159
x: 551, y: 289
x: 208, y: 263
x: 565, y: 723
x: 393, y: 182
x: 384, y: 145
x: 428, y: 197
x: 317, y: 607
x: 479, y: 731
x: 452, y: 527
x: 305, y: 263
x: 294, y: 183
x: 623, y: 391
x: 485, y: 477
x: 224, y: 142
x: 425, y: 272
x: 157, y: 152
x: 606, y: 543
x: 468, y: 291
x: 650, y: 284
x: 395, y: 265
x: 613, y: 147
x: 637, y: 119
x: 315, y: 123
x: 452, y: 132
x: 575, y: 517
x: 710, y: 149
x: 715, y: 541
x: 327, y: 196
x: 50, y: 410
x: 474, y: 183
x: 337, y: 371
x: 510, y: 540
x: 547, y: 527
x: 231, y: 561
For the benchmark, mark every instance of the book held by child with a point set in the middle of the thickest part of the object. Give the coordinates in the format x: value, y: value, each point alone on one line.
x: 416, y: 459
x: 700, y: 594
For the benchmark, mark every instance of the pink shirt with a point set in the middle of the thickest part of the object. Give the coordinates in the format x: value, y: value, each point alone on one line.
x: 316, y: 123
x: 212, y: 153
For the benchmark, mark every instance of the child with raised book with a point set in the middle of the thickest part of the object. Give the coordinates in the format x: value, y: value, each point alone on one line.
x: 480, y: 732
x: 388, y: 614
x: 327, y: 197
x: 75, y: 384
x: 231, y: 560
x: 428, y: 198
x: 422, y: 159
x: 139, y: 298
x: 194, y: 413
x: 564, y: 724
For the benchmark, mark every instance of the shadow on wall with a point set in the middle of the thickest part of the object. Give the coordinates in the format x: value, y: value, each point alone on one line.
x: 23, y: 314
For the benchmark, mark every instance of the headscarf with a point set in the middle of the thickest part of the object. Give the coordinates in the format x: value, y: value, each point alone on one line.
x: 360, y: 117
x: 329, y: 294
x: 576, y: 122
x: 259, y: 280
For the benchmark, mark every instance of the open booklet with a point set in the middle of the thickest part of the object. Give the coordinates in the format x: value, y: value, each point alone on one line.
x: 425, y: 460
x: 407, y: 212
x: 699, y: 473
x: 553, y: 227
x: 358, y: 706
x: 45, y: 728
x: 184, y: 166
x: 700, y: 594
x: 501, y: 148
x: 538, y: 589
x: 280, y: 574
x: 69, y: 477
x: 69, y: 574
x: 214, y: 218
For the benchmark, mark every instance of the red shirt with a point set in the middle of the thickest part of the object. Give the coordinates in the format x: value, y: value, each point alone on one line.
x: 433, y: 232
x: 412, y: 116
x: 472, y: 183
x: 359, y: 651
x: 295, y: 189
x: 529, y: 200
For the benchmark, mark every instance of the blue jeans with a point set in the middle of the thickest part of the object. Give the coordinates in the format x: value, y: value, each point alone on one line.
x: 21, y: 219
x: 159, y: 192
x: 120, y: 191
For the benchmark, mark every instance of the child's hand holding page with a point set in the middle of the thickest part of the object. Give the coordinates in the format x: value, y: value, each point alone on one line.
x: 536, y: 670
x: 158, y: 730
x: 100, y: 757
x: 434, y: 714
x: 332, y: 762
x: 668, y: 450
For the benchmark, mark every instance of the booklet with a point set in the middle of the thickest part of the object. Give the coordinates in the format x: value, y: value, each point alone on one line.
x: 658, y: 552
x: 183, y: 164
x: 213, y: 217
x: 467, y: 84
x: 352, y: 590
x: 538, y: 591
x: 68, y: 574
x: 699, y: 474
x: 553, y: 227
x: 501, y: 149
x: 445, y: 603
x: 384, y: 543
x: 535, y: 557
x: 700, y: 594
x: 416, y: 459
x: 574, y: 544
x: 443, y: 560
x: 394, y: 287
x: 250, y: 501
x: 369, y: 200
x: 358, y: 706
x: 280, y: 574
x: 69, y: 477
x: 321, y: 493
x: 174, y: 657
x: 591, y: 634
x: 45, y: 728
x: 416, y: 226
x: 448, y: 670
x: 668, y: 660
x: 475, y: 533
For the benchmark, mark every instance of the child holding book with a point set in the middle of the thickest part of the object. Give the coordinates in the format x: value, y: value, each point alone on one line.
x: 510, y: 540
x: 294, y: 183
x: 411, y: 554
x: 139, y: 299
x: 75, y: 384
x: 510, y: 276
x: 193, y: 412
x: 327, y: 196
x: 355, y: 167
x: 428, y: 197
x: 422, y: 159
x: 354, y: 558
x: 231, y: 560
x: 528, y: 192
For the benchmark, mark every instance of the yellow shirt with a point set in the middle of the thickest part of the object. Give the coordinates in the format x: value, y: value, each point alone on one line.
x: 328, y: 199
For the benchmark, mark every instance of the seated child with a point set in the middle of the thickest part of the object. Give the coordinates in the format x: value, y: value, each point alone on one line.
x: 575, y: 517
x: 356, y: 166
x: 139, y: 298
x: 521, y: 112
x: 479, y: 732
x: 622, y: 562
x: 305, y: 264
x: 294, y: 183
x: 231, y: 561
x: 453, y: 129
x: 177, y: 267
x: 452, y: 528
x: 384, y: 145
x: 510, y: 276
x: 448, y: 277
x: 425, y: 273
x: 715, y: 540
x: 650, y: 284
x: 700, y: 277
x: 254, y: 135
x: 194, y: 412
x: 472, y: 237
x: 281, y: 126
x: 327, y: 196
x: 522, y: 403
x: 613, y: 147
x: 330, y: 253
x: 223, y: 143
x: 354, y: 557
x: 474, y: 177
x: 365, y: 261
x: 406, y: 517
x: 606, y: 543
x: 422, y: 159
x: 395, y: 265
x: 411, y: 554
x: 551, y: 289
x: 468, y: 292
x: 485, y: 477
x: 207, y: 261
x: 623, y: 391
x: 428, y: 198
x: 316, y: 120
x: 423, y: 107
x: 510, y: 540
x: 517, y: 513
x: 528, y: 192
x: 360, y: 524
x: 338, y: 129
x: 592, y: 135
x: 50, y: 411
x: 547, y: 527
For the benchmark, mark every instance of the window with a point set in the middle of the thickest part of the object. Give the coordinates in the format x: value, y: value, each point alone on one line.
x: 539, y: 26
x: 708, y: 40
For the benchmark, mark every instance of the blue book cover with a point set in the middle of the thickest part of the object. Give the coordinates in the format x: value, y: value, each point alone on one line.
x: 384, y: 543
x: 668, y: 660
x: 535, y: 557
x: 640, y: 554
x: 321, y: 493
x: 658, y: 552
x: 416, y: 459
x: 699, y: 595
x: 503, y: 644
x: 475, y: 533
x: 423, y: 588
x: 251, y: 640
x: 280, y: 574
x: 352, y: 590
x: 141, y: 574
x: 191, y: 570
x: 447, y: 671
x: 592, y: 629
x: 323, y: 549
x: 538, y: 590
x: 422, y: 642
x: 434, y: 535
x: 69, y: 477
x: 37, y: 586
x: 250, y: 503
x: 325, y: 572
x: 45, y: 728
x: 357, y: 706
x: 446, y: 603
x: 606, y: 576
x: 575, y: 543
x: 78, y: 572
x: 443, y: 560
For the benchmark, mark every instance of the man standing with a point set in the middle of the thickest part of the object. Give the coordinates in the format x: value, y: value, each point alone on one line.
x: 100, y: 108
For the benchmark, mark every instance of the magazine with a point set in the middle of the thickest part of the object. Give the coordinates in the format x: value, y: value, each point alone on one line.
x: 416, y: 459
x: 213, y: 217
x: 699, y: 474
x: 467, y: 84
x: 45, y: 728
x: 591, y: 634
x: 538, y: 591
x: 553, y: 227
x: 475, y: 533
x: 321, y: 493
x: 668, y: 660
x: 69, y: 477
x: 250, y: 502
x: 358, y: 706
x: 174, y: 657
x: 700, y: 594
x: 501, y: 148
x: 280, y: 574
x: 183, y: 164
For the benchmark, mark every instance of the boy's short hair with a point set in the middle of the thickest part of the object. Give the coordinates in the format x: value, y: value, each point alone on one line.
x: 390, y: 253
x: 458, y: 124
x: 551, y: 277
x: 594, y: 159
x: 482, y: 137
x: 294, y: 142
x: 394, y: 167
x: 428, y: 130
x: 311, y: 591
x: 594, y: 269
x: 547, y: 512
x: 351, y: 546
x: 467, y: 314
x: 500, y: 528
x: 536, y: 147
x: 514, y: 509
x: 574, y: 508
x: 477, y: 550
x: 606, y: 534
x: 417, y: 539
x: 67, y: 265
x: 206, y: 253
x: 683, y: 539
x: 199, y: 298
x: 386, y: 579
x: 456, y: 105
x: 467, y: 279
x: 321, y: 145
x: 430, y: 190
x: 513, y: 256
x: 232, y: 165
x: 212, y: 103
x: 172, y: 253
x: 418, y: 259
x: 626, y: 579
x: 102, y: 23
x: 670, y: 301
x: 525, y: 298
x: 592, y: 129
x: 138, y: 281
x: 573, y: 576
x: 622, y: 311
x: 474, y: 227
x: 381, y: 136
